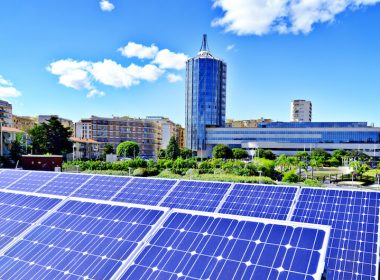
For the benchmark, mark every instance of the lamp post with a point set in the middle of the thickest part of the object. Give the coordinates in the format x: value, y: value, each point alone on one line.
x: 260, y: 176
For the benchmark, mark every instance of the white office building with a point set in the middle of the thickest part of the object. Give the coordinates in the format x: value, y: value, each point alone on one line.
x: 301, y: 111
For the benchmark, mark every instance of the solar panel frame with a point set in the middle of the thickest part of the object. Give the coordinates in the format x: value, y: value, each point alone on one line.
x: 36, y: 184
x: 170, y: 200
x: 137, y: 184
x: 82, y: 188
x: 13, y: 171
x: 233, y: 196
x: 377, y: 262
x: 36, y: 222
x: 42, y: 189
x: 62, y: 204
x: 122, y: 272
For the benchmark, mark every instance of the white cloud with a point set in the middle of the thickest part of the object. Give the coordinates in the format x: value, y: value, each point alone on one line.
x: 4, y: 82
x: 230, y: 47
x: 258, y: 17
x: 7, y: 89
x: 137, y: 50
x: 170, y: 60
x: 106, y: 5
x: 81, y: 75
x: 173, y: 78
x: 6, y: 92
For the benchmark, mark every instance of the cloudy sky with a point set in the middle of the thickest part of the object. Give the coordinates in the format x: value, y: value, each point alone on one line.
x: 124, y: 57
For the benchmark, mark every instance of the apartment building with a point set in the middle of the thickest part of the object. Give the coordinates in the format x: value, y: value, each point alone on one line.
x: 301, y: 111
x: 168, y: 130
x: 146, y: 133
x: 6, y: 114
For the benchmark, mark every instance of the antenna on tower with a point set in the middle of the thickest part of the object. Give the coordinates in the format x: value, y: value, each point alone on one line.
x: 204, y: 47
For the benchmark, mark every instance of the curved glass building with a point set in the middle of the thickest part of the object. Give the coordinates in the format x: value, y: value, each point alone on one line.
x: 205, y: 96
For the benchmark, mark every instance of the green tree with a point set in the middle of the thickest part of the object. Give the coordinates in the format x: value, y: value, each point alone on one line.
x: 340, y: 154
x: 359, y: 168
x: 263, y: 153
x: 38, y: 139
x: 186, y: 153
x: 315, y: 163
x: 161, y: 154
x: 16, y: 150
x: 302, y: 156
x: 222, y: 151
x: 359, y: 155
x: 239, y: 153
x: 128, y: 149
x: 108, y: 149
x: 172, y: 150
x: 321, y: 155
x: 50, y: 137
x: 282, y: 161
x: 57, y: 137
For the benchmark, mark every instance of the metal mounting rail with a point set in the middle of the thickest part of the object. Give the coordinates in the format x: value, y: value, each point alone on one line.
x: 228, y: 192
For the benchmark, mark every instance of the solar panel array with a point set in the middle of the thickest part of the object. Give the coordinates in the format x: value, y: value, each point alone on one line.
x: 200, y: 246
x: 354, y: 219
x: 202, y: 196
x: 18, y: 212
x: 81, y: 240
x: 352, y: 251
x: 270, y: 202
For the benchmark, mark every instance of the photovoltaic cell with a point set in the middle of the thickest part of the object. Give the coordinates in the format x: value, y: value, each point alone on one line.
x: 192, y: 195
x: 18, y: 212
x: 102, y: 187
x: 271, y: 202
x: 33, y: 181
x: 81, y: 240
x: 354, y: 219
x: 201, y: 246
x: 8, y: 177
x: 64, y: 184
x: 145, y: 191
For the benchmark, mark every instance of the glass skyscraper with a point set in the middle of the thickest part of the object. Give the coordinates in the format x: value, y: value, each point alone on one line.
x: 205, y: 96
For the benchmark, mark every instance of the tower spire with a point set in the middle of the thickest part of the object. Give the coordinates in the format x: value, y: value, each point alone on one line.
x: 204, y: 47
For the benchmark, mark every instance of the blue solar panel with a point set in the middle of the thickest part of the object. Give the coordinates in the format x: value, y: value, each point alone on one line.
x: 272, y: 202
x: 81, y: 240
x: 354, y: 219
x: 102, y: 187
x: 192, y: 195
x: 145, y: 191
x: 18, y: 212
x: 212, y: 246
x: 33, y: 181
x: 64, y: 184
x: 8, y: 177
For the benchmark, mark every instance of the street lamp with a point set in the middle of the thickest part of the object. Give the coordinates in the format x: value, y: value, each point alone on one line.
x: 260, y: 176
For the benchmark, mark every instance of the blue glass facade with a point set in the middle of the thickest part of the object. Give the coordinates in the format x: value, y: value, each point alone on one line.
x: 205, y: 97
x: 297, y: 133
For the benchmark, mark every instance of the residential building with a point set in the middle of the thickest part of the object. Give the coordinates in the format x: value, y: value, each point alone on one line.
x: 301, y: 111
x: 6, y: 114
x: 168, y: 130
x: 24, y: 123
x: 246, y: 123
x: 85, y: 148
x: 205, y: 96
x: 291, y: 137
x: 65, y: 122
x: 146, y: 133
x: 182, y: 136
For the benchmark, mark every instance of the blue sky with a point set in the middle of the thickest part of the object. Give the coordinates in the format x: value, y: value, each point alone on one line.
x: 124, y: 57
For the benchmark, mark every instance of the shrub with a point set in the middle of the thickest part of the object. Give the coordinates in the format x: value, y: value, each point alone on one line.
x: 291, y: 177
x: 140, y: 172
x: 312, y: 183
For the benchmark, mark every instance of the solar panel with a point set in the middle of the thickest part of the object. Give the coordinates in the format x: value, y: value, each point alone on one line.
x: 145, y: 191
x: 64, y: 184
x: 192, y: 195
x: 80, y: 240
x: 354, y: 219
x: 8, y: 177
x: 18, y: 212
x: 102, y: 187
x: 198, y: 245
x: 33, y: 181
x: 271, y: 202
